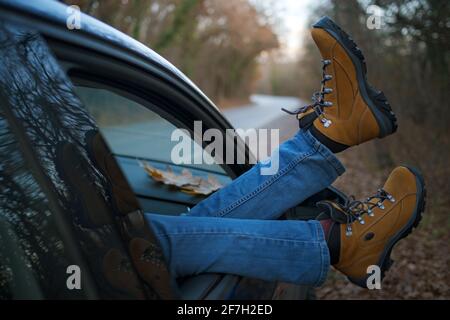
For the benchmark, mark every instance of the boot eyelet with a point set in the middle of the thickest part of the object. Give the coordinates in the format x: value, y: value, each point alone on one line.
x: 370, y: 213
x: 326, y: 123
x: 348, y: 231
x: 380, y: 205
x: 391, y: 198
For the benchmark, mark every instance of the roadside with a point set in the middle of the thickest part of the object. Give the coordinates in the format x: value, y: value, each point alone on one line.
x: 262, y: 111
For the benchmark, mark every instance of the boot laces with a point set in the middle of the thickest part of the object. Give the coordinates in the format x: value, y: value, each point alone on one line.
x: 354, y: 210
x: 318, y: 99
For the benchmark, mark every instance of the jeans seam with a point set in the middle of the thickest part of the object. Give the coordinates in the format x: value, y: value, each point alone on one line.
x: 323, y: 254
x: 168, y: 235
x: 267, y: 183
x: 332, y: 161
x: 325, y: 264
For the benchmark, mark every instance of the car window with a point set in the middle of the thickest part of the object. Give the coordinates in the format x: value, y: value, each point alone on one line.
x: 64, y: 204
x: 138, y: 135
x: 133, y: 130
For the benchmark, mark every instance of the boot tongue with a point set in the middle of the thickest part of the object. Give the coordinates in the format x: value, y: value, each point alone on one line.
x: 331, y: 211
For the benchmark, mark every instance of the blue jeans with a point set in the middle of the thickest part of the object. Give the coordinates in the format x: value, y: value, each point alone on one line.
x: 250, y: 242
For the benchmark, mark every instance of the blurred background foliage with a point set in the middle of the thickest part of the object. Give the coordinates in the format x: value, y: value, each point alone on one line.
x: 408, y: 58
x: 231, y: 49
x: 215, y: 43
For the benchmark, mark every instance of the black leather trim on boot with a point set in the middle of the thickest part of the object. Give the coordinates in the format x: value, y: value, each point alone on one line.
x: 334, y: 243
x: 306, y: 121
x: 334, y: 146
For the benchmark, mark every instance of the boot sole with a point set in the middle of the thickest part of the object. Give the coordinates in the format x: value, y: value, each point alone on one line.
x: 375, y: 100
x: 385, y: 261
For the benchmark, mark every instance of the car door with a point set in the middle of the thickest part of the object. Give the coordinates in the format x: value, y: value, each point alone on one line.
x: 58, y: 214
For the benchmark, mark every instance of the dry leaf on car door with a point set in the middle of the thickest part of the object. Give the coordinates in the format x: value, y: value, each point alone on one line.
x: 185, y: 181
x: 205, y: 187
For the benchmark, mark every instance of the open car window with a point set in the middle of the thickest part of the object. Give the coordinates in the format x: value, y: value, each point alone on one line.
x: 139, y: 136
x: 133, y: 130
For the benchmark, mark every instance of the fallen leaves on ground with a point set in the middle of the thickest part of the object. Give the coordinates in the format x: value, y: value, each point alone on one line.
x: 185, y: 182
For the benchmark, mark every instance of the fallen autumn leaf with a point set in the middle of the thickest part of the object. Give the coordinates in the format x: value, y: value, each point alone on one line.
x: 185, y: 182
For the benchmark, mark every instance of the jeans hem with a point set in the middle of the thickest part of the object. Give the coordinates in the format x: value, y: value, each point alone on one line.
x: 324, y: 256
x: 325, y: 152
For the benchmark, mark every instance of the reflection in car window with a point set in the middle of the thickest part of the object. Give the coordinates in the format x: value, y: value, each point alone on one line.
x: 33, y: 261
x: 69, y: 211
x: 133, y: 130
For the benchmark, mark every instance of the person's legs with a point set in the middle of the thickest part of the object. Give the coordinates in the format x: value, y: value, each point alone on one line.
x: 346, y: 112
x: 289, y: 251
x: 305, y: 168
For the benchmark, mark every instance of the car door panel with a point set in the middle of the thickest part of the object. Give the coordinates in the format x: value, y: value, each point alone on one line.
x: 39, y: 102
x: 147, y: 188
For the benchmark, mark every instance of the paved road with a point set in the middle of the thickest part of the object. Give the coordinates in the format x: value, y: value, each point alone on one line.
x: 260, y: 112
x: 265, y: 112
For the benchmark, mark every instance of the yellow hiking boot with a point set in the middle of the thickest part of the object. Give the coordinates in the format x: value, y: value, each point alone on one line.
x: 346, y: 111
x: 363, y: 233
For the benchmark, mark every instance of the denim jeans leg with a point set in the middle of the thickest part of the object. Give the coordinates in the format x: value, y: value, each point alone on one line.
x: 287, y: 251
x: 305, y: 168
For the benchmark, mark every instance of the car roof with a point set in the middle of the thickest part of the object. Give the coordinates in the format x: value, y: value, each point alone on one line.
x: 55, y: 12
